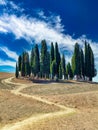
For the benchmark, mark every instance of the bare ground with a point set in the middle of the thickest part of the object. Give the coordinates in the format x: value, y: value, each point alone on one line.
x: 25, y: 122
x: 81, y: 97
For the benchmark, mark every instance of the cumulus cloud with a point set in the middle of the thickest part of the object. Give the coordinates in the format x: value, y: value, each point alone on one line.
x: 9, y: 53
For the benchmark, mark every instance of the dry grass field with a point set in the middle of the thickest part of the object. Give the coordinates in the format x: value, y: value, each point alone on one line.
x: 82, y: 97
x: 16, y: 108
x: 13, y: 108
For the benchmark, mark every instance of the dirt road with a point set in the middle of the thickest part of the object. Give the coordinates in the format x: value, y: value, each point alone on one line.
x: 17, y: 126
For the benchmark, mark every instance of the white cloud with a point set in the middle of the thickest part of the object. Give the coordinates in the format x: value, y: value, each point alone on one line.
x: 2, y: 2
x: 36, y: 29
x: 9, y: 53
x: 32, y: 28
x: 11, y: 6
x: 3, y: 30
x: 7, y: 63
x: 15, y: 7
x: 40, y: 13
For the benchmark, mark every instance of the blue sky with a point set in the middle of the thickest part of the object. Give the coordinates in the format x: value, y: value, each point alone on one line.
x: 26, y: 22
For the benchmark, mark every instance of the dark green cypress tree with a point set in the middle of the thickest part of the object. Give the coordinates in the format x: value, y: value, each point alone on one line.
x: 27, y: 65
x: 73, y: 64
x: 23, y: 65
x: 86, y: 59
x: 53, y: 68
x: 57, y: 58
x: 51, y: 53
x: 76, y: 66
x: 69, y: 71
x: 92, y: 65
x: 63, y: 66
x: 36, y: 61
x: 82, y: 63
x: 44, y: 63
x: 91, y: 72
x: 32, y: 61
x: 47, y: 64
x: 19, y: 62
x: 60, y: 71
x: 17, y: 72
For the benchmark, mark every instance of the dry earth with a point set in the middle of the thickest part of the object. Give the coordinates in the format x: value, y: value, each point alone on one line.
x: 51, y: 108
x: 82, y: 96
x: 42, y: 106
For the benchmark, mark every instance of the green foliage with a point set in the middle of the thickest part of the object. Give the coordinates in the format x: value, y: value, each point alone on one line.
x: 45, y: 64
x: 63, y: 66
x: 82, y: 63
x: 51, y: 53
x: 90, y: 70
x: 23, y: 65
x: 36, y: 61
x: 32, y: 60
x: 45, y: 59
x: 76, y: 61
x: 53, y: 68
x: 86, y: 59
x: 73, y: 64
x: 60, y: 71
x: 57, y: 58
x: 17, y: 71
x: 19, y: 62
x: 26, y: 60
x: 69, y: 71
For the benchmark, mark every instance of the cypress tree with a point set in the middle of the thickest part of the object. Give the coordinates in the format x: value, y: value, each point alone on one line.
x: 57, y: 58
x: 19, y: 62
x: 73, y: 64
x: 32, y: 60
x: 36, y: 61
x: 82, y: 63
x: 63, y: 66
x: 86, y: 59
x: 17, y: 72
x: 26, y: 62
x: 60, y: 71
x: 51, y: 53
x: 91, y: 72
x: 23, y: 65
x: 76, y: 61
x: 69, y: 71
x: 47, y: 64
x: 44, y: 64
x: 53, y: 68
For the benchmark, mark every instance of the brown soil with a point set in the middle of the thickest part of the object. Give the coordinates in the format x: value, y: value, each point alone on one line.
x: 14, y: 108
x: 83, y: 97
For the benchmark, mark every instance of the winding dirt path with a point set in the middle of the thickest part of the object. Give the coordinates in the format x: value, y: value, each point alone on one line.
x: 17, y: 126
